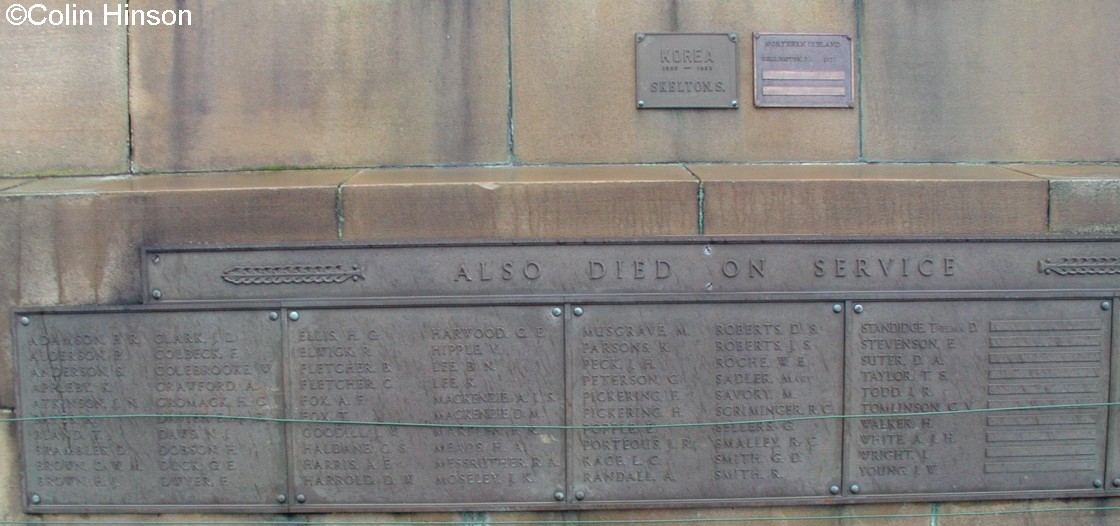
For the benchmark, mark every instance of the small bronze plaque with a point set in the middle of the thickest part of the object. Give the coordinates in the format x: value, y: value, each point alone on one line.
x: 480, y: 366
x: 687, y: 70
x: 689, y: 363
x: 803, y: 70
x: 132, y: 362
x: 993, y: 360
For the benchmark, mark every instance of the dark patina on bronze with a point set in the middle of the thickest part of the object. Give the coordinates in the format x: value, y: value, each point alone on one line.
x: 579, y: 374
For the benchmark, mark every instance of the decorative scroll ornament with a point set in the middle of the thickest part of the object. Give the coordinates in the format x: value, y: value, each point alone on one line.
x: 1080, y: 266
x: 289, y: 274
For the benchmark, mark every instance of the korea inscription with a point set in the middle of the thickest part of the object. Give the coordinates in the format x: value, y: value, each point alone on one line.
x: 687, y: 70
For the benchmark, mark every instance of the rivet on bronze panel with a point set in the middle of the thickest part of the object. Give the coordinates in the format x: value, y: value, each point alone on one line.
x: 301, y: 498
x: 36, y: 499
x: 1098, y: 483
x: 559, y: 496
x: 1105, y: 305
x: 294, y: 316
x: 578, y: 311
x: 274, y: 316
x: 835, y: 490
x: 25, y: 321
x: 858, y: 309
x: 854, y: 488
x: 281, y: 498
x: 155, y: 259
x: 157, y: 294
x: 837, y: 308
x: 557, y: 311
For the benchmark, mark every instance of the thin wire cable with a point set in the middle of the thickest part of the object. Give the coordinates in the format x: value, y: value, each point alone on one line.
x: 564, y: 427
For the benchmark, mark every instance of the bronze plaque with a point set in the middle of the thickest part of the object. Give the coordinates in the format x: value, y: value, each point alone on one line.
x: 691, y: 363
x: 687, y: 70
x: 470, y: 366
x: 707, y: 266
x: 803, y: 70
x: 987, y: 364
x: 136, y: 362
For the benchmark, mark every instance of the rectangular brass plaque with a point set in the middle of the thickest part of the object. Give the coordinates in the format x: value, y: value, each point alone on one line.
x: 445, y: 366
x: 687, y: 70
x: 803, y: 70
x: 994, y: 360
x: 689, y: 363
x: 704, y: 266
x: 151, y: 362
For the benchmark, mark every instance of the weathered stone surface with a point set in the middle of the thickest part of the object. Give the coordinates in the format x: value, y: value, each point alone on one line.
x: 1029, y: 513
x: 1083, y: 199
x: 992, y: 80
x: 520, y: 202
x: 11, y: 506
x: 260, y: 83
x: 870, y: 199
x: 65, y: 92
x: 573, y: 85
x: 76, y: 241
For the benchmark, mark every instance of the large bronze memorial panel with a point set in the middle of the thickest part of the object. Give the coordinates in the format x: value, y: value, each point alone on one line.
x: 946, y: 395
x: 579, y: 374
x: 470, y: 366
x: 155, y: 363
x: 683, y: 364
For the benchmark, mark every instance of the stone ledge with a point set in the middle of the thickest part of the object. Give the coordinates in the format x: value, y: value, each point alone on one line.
x: 578, y: 201
x: 897, y: 199
x: 1083, y: 198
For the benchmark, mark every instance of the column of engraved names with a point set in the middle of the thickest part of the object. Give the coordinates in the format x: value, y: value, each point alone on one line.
x: 901, y: 367
x: 442, y: 368
x: 629, y: 371
x: 776, y: 368
x: 160, y: 363
x: 689, y: 364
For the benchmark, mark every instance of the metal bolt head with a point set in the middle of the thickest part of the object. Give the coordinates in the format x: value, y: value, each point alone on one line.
x: 36, y: 499
x: 578, y: 311
x: 640, y: 37
x: 281, y: 498
x: 734, y: 104
x: 854, y: 488
x: 274, y: 315
x: 294, y: 316
x: 155, y: 258
x: 835, y: 490
x: 733, y: 37
x: 641, y: 104
x: 301, y: 498
x: 580, y: 495
x: 157, y: 294
x: 837, y: 308
x: 25, y: 321
x: 559, y: 495
x: 858, y: 309
x: 1116, y: 483
x: 1098, y: 483
x: 1105, y: 305
x: 557, y: 311
x: 707, y: 251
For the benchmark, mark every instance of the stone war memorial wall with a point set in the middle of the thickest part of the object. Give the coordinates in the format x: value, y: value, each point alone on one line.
x: 478, y: 262
x: 579, y: 374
